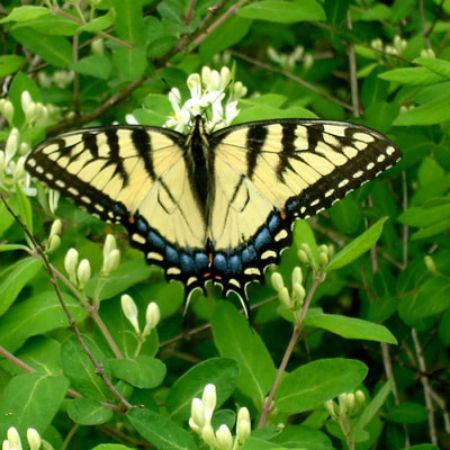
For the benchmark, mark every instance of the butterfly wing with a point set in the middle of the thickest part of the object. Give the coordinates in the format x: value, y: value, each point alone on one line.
x: 268, y: 173
x: 136, y: 176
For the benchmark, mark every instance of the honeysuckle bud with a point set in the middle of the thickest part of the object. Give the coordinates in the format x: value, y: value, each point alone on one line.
x: 130, y: 311
x: 53, y: 243
x: 430, y: 264
x: 350, y: 402
x: 12, y: 144
x: 427, y: 53
x: 5, y: 445
x: 330, y: 406
x: 7, y: 109
x: 197, y: 420
x: 239, y: 90
x: 14, y: 438
x: 225, y: 77
x: 56, y: 228
x: 224, y: 438
x: 26, y: 101
x: 243, y: 424
x: 2, y: 162
x: 323, y: 259
x: 298, y: 294
x: 83, y: 273
x: 24, y: 148
x: 19, y: 169
x: 360, y: 398
x: 111, y: 262
x: 377, y: 44
x: 207, y: 434
x: 53, y: 200
x: 308, y: 60
x: 297, y: 276
x: 277, y: 281
x: 34, y: 440
x: 109, y: 245
x: 98, y: 47
x: 303, y: 256
x: 284, y: 297
x: 209, y: 399
x: 342, y: 402
x: 71, y: 263
x: 152, y: 318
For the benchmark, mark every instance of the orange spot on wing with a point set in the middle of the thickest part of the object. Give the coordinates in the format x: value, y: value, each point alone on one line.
x: 131, y: 220
x: 283, y: 215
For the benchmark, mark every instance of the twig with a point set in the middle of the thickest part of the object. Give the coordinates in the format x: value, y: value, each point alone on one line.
x: 72, y: 323
x: 441, y: 402
x: 292, y: 77
x: 426, y: 387
x: 289, y: 349
x: 69, y: 436
x: 189, y: 12
x: 405, y: 228
x: 352, y: 67
x: 423, y: 22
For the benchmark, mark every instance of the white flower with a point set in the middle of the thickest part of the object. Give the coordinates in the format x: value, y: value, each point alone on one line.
x: 152, y: 318
x: 130, y: 311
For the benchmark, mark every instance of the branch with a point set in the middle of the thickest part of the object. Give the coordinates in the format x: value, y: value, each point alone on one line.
x: 99, y: 370
x: 298, y: 328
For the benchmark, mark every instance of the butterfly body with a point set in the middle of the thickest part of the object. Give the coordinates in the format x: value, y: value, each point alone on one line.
x: 212, y: 206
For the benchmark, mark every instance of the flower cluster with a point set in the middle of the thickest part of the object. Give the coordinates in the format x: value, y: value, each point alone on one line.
x: 59, y: 78
x: 35, y: 442
x: 213, y: 94
x: 397, y: 47
x: 130, y: 311
x: 200, y: 421
x: 348, y: 404
x: 288, y: 61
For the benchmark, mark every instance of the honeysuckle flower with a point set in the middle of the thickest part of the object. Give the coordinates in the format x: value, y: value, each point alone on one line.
x: 33, y: 438
x: 53, y: 200
x: 111, y: 255
x: 130, y: 311
x: 83, y: 272
x: 224, y: 437
x: 243, y: 424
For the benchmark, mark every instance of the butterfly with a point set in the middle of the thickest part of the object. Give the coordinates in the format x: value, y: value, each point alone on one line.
x: 214, y: 206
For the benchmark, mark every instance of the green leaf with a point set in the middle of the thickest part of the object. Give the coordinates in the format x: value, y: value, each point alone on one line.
x: 414, y: 76
x: 50, y: 25
x: 430, y: 113
x: 24, y: 209
x: 222, y: 372
x: 431, y: 298
x: 98, y: 66
x: 358, y: 246
x: 303, y: 234
x: 346, y: 216
x: 12, y: 247
x: 372, y: 408
x: 128, y: 274
x: 38, y: 315
x: 159, y: 47
x: 407, y: 412
x: 225, y: 35
x: 300, y: 436
x: 336, y: 10
x: 88, y: 412
x: 14, y: 278
x: 314, y: 383
x: 25, y: 13
x: 129, y: 23
x: 436, y: 65
x: 254, y: 443
x: 79, y: 369
x: 99, y: 23
x: 130, y: 62
x: 235, y: 339
x: 10, y: 63
x: 143, y: 371
x: 283, y: 11
x: 57, y: 52
x: 351, y: 327
x: 422, y: 216
x: 162, y: 432
x: 31, y: 400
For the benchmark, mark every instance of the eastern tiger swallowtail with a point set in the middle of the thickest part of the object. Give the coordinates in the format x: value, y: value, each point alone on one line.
x: 216, y: 206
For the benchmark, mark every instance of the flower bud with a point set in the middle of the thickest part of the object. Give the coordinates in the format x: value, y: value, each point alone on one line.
x: 56, y: 228
x: 303, y: 256
x: 8, y: 111
x: 284, y: 297
x: 71, y: 263
x: 209, y: 400
x: 243, y: 424
x: 430, y: 264
x: 98, y: 47
x: 53, y: 200
x: 342, y: 402
x: 14, y: 439
x: 34, y: 440
x: 298, y: 294
x: 12, y: 144
x: 83, y: 273
x: 109, y: 245
x: 277, y: 281
x: 19, y: 169
x: 207, y: 434
x: 323, y: 259
x: 197, y: 414
x: 360, y: 398
x: 53, y: 243
x: 111, y: 262
x: 26, y: 101
x: 224, y: 438
x: 152, y: 318
x: 330, y: 406
x: 297, y: 276
x: 130, y: 311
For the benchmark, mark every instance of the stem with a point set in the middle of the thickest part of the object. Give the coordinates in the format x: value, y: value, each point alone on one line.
x: 318, y: 278
x: 99, y: 370
x: 426, y: 387
x: 353, y: 76
x: 347, y: 431
x: 423, y: 23
x: 76, y: 78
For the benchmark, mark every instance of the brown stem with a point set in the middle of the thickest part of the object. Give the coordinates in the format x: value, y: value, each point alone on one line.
x: 353, y: 75
x: 99, y: 370
x: 289, y: 349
